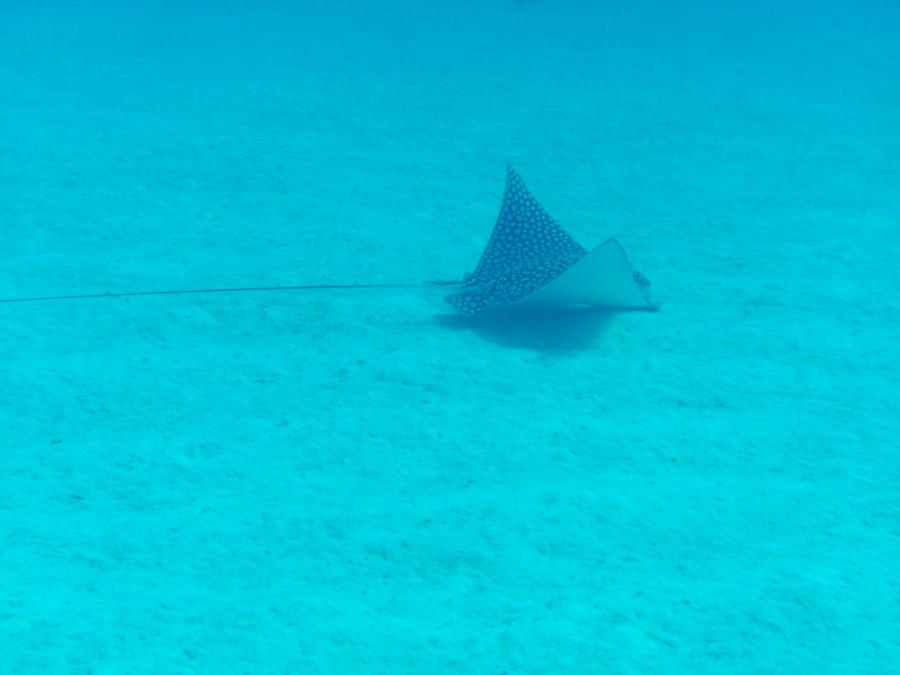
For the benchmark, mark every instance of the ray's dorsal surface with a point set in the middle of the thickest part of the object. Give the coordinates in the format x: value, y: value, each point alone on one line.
x: 529, y: 259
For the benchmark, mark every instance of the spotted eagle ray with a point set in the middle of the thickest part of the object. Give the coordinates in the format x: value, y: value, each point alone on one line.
x: 529, y: 261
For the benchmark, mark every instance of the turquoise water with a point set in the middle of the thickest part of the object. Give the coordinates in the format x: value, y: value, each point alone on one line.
x: 358, y: 481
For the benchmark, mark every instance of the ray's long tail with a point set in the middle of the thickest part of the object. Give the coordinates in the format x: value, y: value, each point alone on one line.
x: 200, y: 291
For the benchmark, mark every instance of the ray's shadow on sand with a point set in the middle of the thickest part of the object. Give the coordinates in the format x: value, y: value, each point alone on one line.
x: 542, y: 330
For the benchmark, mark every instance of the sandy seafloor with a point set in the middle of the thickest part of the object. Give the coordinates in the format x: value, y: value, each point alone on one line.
x: 357, y: 481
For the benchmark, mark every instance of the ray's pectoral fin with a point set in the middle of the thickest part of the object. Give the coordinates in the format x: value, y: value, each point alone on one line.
x: 531, y: 260
x: 602, y: 278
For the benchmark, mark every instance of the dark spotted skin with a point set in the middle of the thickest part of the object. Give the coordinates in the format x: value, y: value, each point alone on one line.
x: 526, y: 251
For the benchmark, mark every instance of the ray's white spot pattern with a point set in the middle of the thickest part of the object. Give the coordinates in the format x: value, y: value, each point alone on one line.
x: 526, y: 251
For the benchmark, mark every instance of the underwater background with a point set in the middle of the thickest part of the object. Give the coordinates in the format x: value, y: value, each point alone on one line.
x: 358, y: 481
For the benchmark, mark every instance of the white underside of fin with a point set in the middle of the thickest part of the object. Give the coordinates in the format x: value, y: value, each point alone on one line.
x: 602, y: 278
